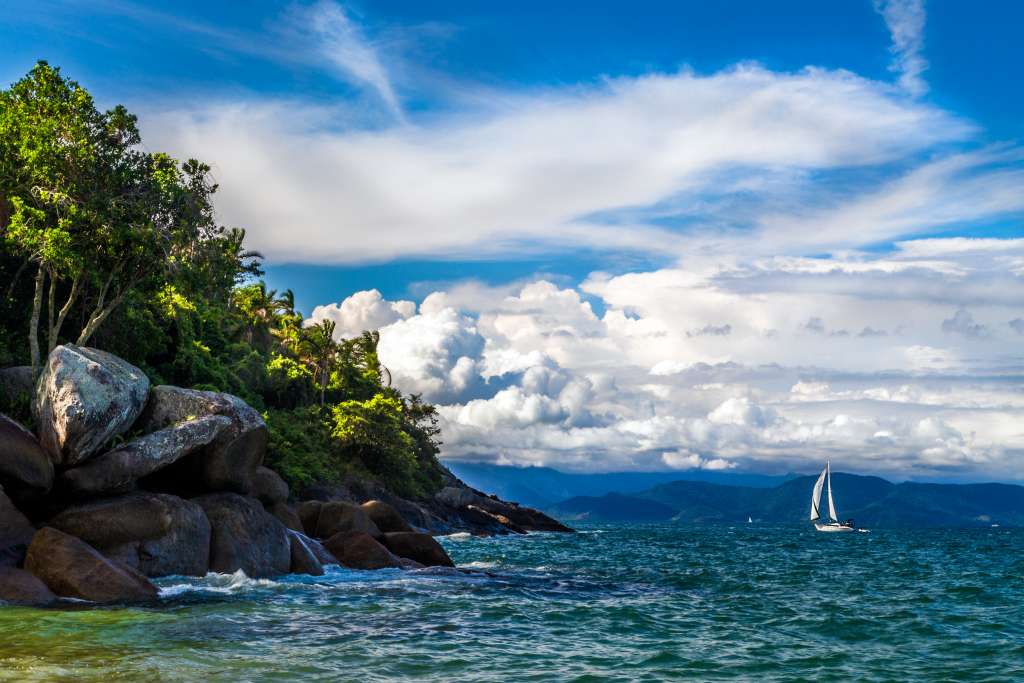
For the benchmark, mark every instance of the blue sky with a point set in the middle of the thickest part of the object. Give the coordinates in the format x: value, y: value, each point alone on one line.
x: 730, y: 235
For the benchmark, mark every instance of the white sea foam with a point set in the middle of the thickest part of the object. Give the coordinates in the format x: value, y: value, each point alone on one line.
x: 224, y: 584
x: 461, y: 536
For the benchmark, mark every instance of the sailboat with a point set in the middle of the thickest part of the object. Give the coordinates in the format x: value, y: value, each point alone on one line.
x: 833, y: 524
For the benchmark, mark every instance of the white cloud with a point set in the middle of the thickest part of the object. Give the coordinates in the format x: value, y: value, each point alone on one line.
x: 362, y: 311
x: 905, y: 20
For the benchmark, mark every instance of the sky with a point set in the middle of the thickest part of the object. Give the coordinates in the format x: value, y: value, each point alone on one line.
x: 737, y: 236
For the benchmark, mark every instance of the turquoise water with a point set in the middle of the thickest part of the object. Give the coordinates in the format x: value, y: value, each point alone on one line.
x: 624, y: 602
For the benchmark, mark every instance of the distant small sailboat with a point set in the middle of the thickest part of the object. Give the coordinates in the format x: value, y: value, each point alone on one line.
x: 833, y: 524
x: 749, y: 520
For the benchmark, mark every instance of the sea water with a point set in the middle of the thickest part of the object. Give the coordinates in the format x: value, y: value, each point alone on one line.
x: 616, y: 602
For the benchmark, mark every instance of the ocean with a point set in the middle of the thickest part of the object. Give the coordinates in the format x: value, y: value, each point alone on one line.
x: 616, y: 602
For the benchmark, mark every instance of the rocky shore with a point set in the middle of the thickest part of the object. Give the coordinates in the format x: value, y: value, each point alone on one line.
x: 123, y: 483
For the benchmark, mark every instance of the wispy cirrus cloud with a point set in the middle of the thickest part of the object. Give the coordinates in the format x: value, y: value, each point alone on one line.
x: 906, y: 21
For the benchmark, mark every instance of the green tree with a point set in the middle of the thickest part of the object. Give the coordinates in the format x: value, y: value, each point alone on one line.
x: 318, y: 348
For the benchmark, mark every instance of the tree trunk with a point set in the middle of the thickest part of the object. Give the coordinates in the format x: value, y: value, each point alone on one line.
x: 33, y: 327
x: 55, y: 326
x: 323, y: 385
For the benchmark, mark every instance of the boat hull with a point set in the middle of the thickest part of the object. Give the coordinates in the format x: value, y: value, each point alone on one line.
x: 836, y: 528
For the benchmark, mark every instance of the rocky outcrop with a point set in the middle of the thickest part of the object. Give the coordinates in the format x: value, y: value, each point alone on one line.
x: 337, y: 517
x: 358, y: 550
x: 286, y: 516
x: 455, y: 506
x: 267, y: 487
x: 309, y: 515
x: 500, y: 519
x: 18, y: 587
x: 385, y: 517
x: 119, y: 469
x: 228, y: 463
x: 26, y: 470
x: 245, y: 536
x: 155, y: 534
x: 71, y: 569
x: 16, y: 533
x: 84, y: 398
x: 419, y: 547
x: 303, y: 560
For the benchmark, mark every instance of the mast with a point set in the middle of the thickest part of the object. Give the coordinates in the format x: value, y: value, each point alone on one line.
x: 831, y: 505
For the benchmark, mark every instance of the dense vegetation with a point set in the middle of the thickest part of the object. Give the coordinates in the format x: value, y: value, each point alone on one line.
x: 107, y: 245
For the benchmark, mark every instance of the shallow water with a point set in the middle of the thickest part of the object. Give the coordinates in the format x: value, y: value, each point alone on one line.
x: 623, y: 602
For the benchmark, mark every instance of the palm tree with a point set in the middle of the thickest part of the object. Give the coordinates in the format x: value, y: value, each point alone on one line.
x: 259, y: 311
x: 318, y: 348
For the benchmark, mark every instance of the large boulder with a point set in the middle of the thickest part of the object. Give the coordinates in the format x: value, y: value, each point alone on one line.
x: 16, y: 533
x: 84, y: 398
x: 267, y: 487
x: 18, y: 587
x: 422, y: 548
x: 119, y: 469
x: 286, y: 516
x: 153, y: 533
x: 26, y: 469
x: 358, y: 550
x: 336, y: 517
x: 309, y: 515
x: 303, y: 559
x: 225, y: 464
x: 245, y: 536
x: 385, y: 517
x: 71, y: 569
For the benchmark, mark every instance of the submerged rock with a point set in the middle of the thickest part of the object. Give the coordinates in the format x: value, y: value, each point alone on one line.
x: 26, y: 469
x: 420, y: 547
x: 71, y: 569
x: 120, y: 468
x: 16, y: 533
x: 358, y: 550
x: 385, y: 517
x: 303, y: 560
x: 286, y: 516
x: 154, y: 533
x: 309, y: 515
x: 225, y: 464
x: 336, y: 517
x: 267, y: 487
x: 245, y: 536
x: 18, y: 587
x: 84, y: 398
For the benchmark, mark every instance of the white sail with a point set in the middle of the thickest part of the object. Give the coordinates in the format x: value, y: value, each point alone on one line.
x: 831, y: 505
x: 816, y: 496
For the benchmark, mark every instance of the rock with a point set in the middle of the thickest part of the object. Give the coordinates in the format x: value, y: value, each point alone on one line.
x: 358, y: 550
x: 154, y: 533
x: 84, y: 398
x: 336, y: 517
x: 303, y: 559
x: 16, y: 383
x: 456, y: 497
x: 422, y: 548
x: 16, y: 533
x: 119, y: 469
x: 284, y: 514
x: 26, y: 470
x: 18, y: 587
x: 267, y: 487
x: 245, y: 536
x: 225, y: 464
x: 319, y: 551
x: 71, y: 569
x: 309, y: 514
x: 385, y: 517
x: 410, y: 564
x: 500, y: 519
x: 415, y: 515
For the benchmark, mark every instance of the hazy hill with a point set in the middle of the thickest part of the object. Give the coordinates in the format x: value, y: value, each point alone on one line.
x: 541, y: 487
x: 871, y: 501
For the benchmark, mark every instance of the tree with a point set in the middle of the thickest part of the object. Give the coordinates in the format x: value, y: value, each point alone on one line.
x: 94, y: 214
x: 319, y: 349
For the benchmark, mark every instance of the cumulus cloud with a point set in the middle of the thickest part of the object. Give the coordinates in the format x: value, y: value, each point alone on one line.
x: 963, y: 323
x: 362, y: 311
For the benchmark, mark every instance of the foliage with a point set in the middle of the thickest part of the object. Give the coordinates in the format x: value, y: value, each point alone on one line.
x: 127, y: 241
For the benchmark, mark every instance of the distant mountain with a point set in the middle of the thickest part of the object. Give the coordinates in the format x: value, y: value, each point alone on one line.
x: 871, y: 501
x: 541, y: 487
